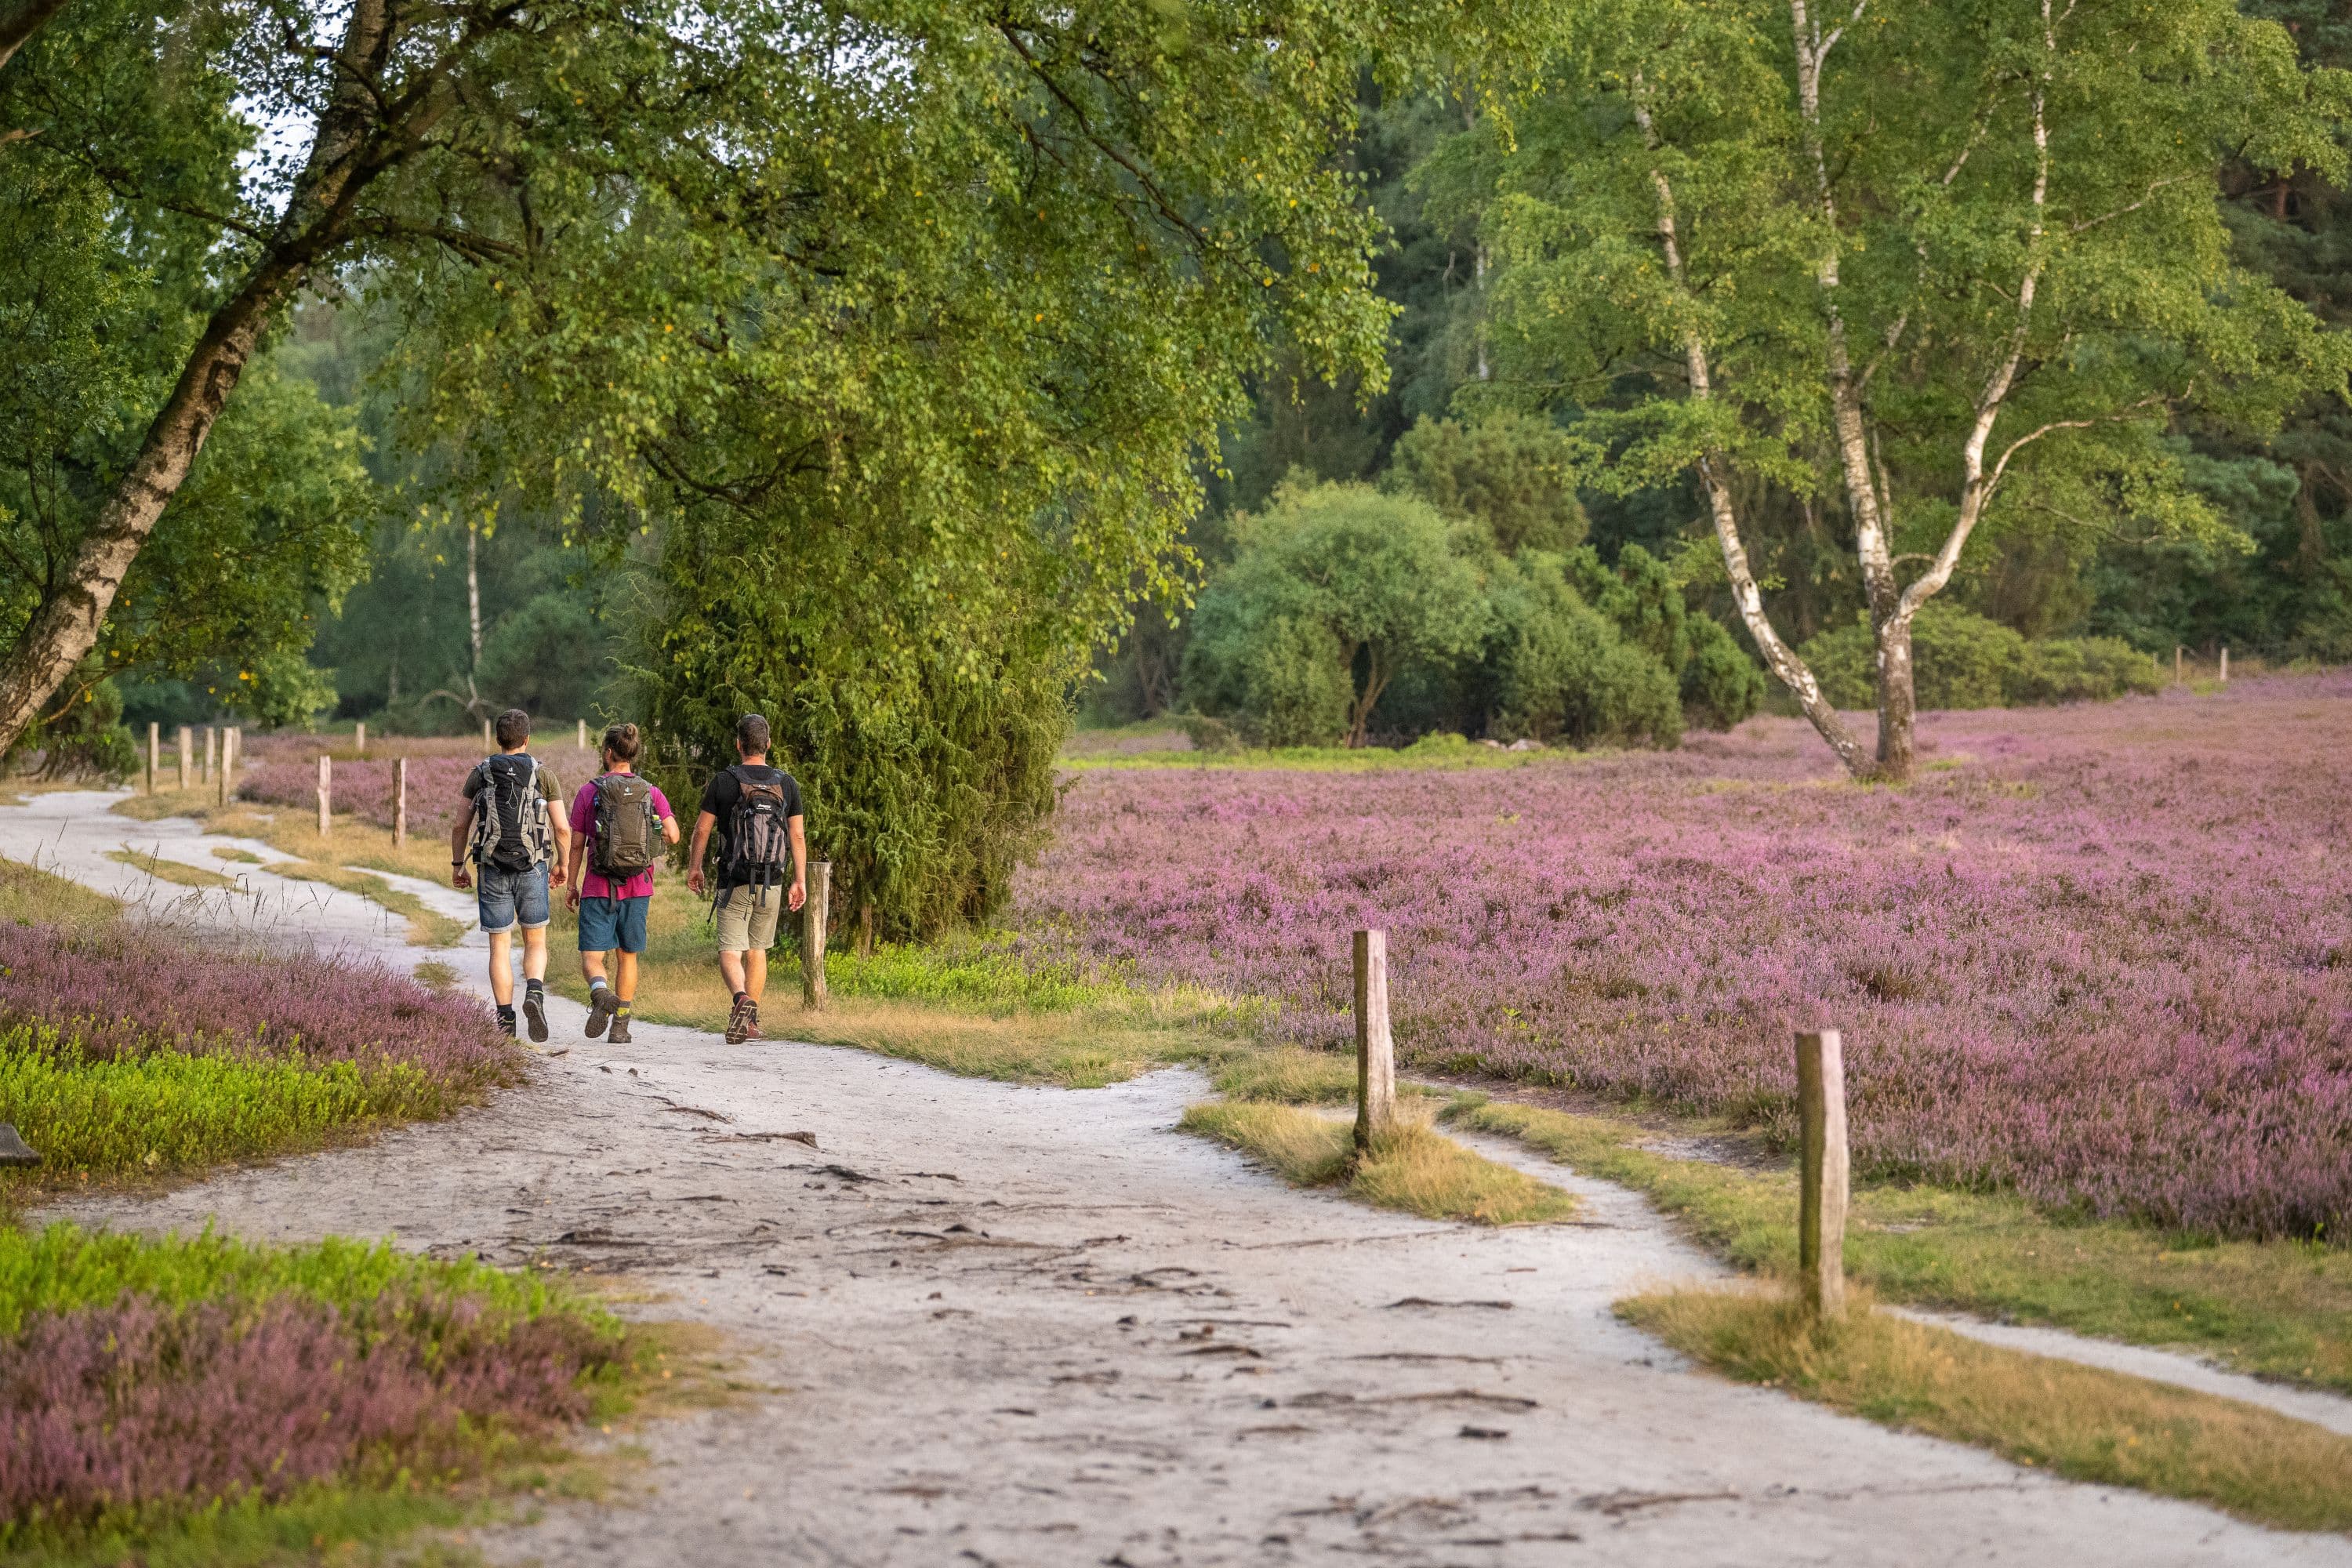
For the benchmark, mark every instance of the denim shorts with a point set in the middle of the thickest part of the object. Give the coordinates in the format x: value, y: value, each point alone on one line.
x: 606, y: 924
x: 508, y: 898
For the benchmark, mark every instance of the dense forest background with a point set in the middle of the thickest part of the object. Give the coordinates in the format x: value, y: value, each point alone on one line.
x: 459, y: 605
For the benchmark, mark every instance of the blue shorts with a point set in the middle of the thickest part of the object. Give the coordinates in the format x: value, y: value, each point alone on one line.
x: 508, y: 898
x: 609, y: 923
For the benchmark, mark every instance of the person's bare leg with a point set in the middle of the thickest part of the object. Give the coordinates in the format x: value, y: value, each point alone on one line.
x: 730, y: 969
x: 755, y: 973
x: 624, y: 974
x: 502, y: 967
x: 592, y: 965
x: 534, y: 954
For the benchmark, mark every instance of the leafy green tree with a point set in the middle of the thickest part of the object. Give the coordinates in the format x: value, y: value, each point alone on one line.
x: 1373, y: 580
x: 1965, y: 660
x: 1514, y: 472
x: 1719, y: 684
x: 1929, y: 263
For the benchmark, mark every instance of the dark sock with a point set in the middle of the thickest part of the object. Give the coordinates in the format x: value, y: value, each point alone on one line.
x: 534, y: 988
x: 506, y: 1016
x: 740, y: 995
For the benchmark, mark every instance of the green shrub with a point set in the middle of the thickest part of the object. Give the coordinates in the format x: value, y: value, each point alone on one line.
x: 2081, y: 669
x: 1337, y: 589
x: 1561, y: 670
x: 1719, y: 684
x: 85, y: 738
x: 1961, y: 659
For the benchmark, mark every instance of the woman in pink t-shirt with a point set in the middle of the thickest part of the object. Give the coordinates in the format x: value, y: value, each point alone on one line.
x: 612, y: 912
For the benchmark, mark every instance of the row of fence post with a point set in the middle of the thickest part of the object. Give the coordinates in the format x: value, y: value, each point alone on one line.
x: 2180, y: 665
x: 223, y: 747
x: 1822, y: 1174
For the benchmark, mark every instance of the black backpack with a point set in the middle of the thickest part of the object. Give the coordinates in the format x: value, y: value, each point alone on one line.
x: 759, y: 842
x: 626, y: 827
x: 511, y: 831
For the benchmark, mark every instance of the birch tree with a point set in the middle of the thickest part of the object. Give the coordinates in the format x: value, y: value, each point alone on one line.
x: 1938, y: 265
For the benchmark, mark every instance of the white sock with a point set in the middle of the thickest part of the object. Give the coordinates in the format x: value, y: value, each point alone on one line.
x: 595, y: 983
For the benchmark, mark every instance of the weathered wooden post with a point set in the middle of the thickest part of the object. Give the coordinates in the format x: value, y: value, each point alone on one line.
x: 1375, y: 1050
x: 813, y: 938
x: 205, y: 775
x: 326, y: 794
x: 2225, y: 664
x: 1822, y: 1181
x: 154, y: 752
x: 187, y: 744
x: 359, y: 739
x: 232, y: 749
x: 399, y: 802
x: 582, y: 741
x: 2180, y: 664
x: 488, y: 745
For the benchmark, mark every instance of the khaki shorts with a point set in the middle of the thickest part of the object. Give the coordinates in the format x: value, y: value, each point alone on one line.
x: 747, y: 918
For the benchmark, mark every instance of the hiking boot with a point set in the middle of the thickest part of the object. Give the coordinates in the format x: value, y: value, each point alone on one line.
x: 534, y: 1011
x: 751, y: 1022
x: 740, y: 1021
x: 601, y: 1008
x: 506, y: 1022
x: 619, y: 1034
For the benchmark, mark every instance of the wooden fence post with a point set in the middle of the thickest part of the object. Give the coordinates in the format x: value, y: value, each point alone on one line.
x: 326, y: 794
x: 582, y: 741
x: 187, y: 744
x: 154, y: 752
x: 812, y: 937
x: 2225, y: 664
x: 488, y: 745
x: 2180, y: 664
x: 1375, y: 1050
x: 1821, y: 1182
x: 359, y: 739
x: 399, y: 802
x: 232, y: 747
x: 205, y: 774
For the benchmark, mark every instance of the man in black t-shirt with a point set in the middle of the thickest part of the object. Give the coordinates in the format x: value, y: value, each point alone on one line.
x: 755, y: 811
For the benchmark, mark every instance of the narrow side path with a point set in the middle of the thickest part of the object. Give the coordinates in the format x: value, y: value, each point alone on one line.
x: 1032, y: 1326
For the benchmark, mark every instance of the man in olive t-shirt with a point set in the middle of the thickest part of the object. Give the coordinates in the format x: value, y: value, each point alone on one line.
x: 747, y: 914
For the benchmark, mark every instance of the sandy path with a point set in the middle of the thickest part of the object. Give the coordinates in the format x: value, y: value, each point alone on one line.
x: 1026, y: 1326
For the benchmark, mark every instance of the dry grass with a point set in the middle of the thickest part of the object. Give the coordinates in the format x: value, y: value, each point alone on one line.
x: 1412, y: 1168
x: 30, y: 896
x: 164, y: 870
x: 2084, y: 1423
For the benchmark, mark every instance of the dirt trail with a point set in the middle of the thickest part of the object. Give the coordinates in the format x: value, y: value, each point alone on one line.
x: 1025, y: 1326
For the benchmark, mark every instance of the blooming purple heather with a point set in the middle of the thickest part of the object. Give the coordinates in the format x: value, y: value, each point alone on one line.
x: 2102, y: 954
x: 112, y: 1408
x: 123, y: 991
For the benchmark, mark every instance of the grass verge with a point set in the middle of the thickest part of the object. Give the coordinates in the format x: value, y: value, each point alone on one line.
x: 427, y: 927
x: 168, y: 1113
x: 2278, y: 1309
x: 1412, y: 1168
x: 30, y: 896
x: 2084, y: 1423
x: 164, y: 870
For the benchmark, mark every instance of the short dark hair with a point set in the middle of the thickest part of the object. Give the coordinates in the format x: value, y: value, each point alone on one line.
x: 751, y: 735
x: 514, y: 728
x: 621, y: 740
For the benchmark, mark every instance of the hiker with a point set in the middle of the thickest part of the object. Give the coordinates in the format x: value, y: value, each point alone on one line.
x: 510, y: 833
x: 619, y: 824
x: 757, y: 810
